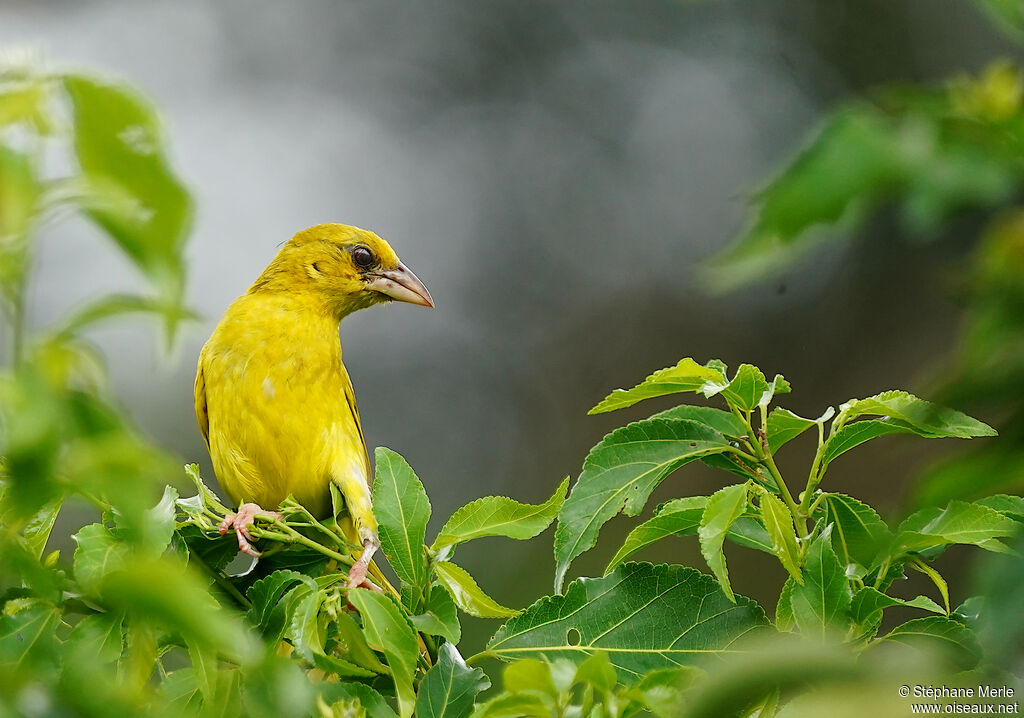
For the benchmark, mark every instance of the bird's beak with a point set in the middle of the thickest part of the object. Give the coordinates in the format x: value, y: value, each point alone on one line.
x: 401, y: 285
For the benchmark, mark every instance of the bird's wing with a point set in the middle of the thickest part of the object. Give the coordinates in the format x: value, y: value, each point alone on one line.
x: 350, y: 399
x: 202, y: 415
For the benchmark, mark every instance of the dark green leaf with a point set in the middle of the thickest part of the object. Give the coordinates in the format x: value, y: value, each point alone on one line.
x: 368, y: 699
x: 441, y: 617
x: 449, y: 689
x: 723, y: 422
x: 388, y: 631
x: 723, y: 508
x: 467, y: 594
x: 939, y: 635
x: 266, y: 594
x: 27, y: 627
x: 857, y: 433
x: 401, y: 506
x: 646, y: 617
x: 307, y: 631
x: 820, y: 604
x: 868, y: 603
x: 499, y: 516
x: 858, y: 533
x: 687, y: 375
x: 620, y: 473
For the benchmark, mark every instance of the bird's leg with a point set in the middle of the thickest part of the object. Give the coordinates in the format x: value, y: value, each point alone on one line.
x: 357, y: 574
x: 241, y: 522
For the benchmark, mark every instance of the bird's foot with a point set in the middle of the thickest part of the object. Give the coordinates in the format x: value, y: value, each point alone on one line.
x: 241, y: 522
x: 357, y: 574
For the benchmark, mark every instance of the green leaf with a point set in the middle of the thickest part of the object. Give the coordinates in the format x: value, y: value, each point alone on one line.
x: 783, y: 426
x: 921, y: 416
x: 119, y: 145
x: 1008, y: 15
x: 265, y: 596
x: 687, y: 375
x: 1005, y: 504
x: 620, y: 473
x: 939, y: 635
x: 28, y: 628
x: 402, y: 509
x: 681, y: 517
x: 307, y: 631
x: 858, y: 533
x: 663, y: 692
x: 746, y: 389
x: 723, y: 508
x: 784, y: 620
x: 597, y: 671
x: 449, y: 689
x: 37, y: 530
x: 958, y: 523
x: 646, y: 617
x: 97, y: 638
x: 467, y: 594
x: 857, y: 433
x: 116, y: 305
x: 440, y: 618
x: 723, y: 422
x: 20, y: 200
x: 868, y: 603
x: 97, y: 554
x: 821, y: 604
x: 778, y: 522
x: 499, y: 516
x: 368, y: 699
x: 387, y: 631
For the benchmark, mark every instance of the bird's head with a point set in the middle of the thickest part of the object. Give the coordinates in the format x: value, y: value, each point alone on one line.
x: 346, y: 267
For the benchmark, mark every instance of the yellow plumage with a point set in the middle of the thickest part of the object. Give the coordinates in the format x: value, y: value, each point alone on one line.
x: 272, y: 396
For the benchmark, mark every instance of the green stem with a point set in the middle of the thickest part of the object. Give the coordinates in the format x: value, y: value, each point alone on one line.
x: 290, y: 535
x: 221, y: 580
x: 477, y: 657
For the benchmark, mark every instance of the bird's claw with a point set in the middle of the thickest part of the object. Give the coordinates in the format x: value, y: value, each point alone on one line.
x: 357, y: 574
x: 241, y: 521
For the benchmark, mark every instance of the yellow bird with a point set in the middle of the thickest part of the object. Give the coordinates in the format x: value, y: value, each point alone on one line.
x: 273, y: 399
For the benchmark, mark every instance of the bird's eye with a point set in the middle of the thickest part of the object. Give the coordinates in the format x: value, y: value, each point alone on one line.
x: 363, y: 257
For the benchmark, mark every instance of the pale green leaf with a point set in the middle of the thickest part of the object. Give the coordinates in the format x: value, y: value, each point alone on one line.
x: 921, y: 416
x: 784, y: 426
x: 620, y: 473
x: 778, y: 522
x: 467, y: 594
x: 500, y: 516
x: 858, y: 533
x: 723, y: 508
x: 687, y: 375
x: 97, y: 638
x: 958, y: 523
x: 388, y: 631
x: 645, y: 617
x: 27, y: 628
x: 744, y: 391
x: 98, y: 552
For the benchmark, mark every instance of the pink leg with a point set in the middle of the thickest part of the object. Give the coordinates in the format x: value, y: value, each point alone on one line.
x: 241, y: 522
x: 357, y: 574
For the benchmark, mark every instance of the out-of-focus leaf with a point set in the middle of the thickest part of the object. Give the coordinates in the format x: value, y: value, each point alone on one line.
x: 942, y: 636
x: 98, y: 638
x: 958, y: 523
x: 597, y: 671
x: 858, y: 533
x: 440, y: 617
x: 401, y: 506
x: 999, y: 583
x: 723, y: 508
x: 820, y: 604
x: 27, y: 103
x: 499, y: 516
x: 620, y: 473
x: 1008, y: 16
x: 778, y: 522
x: 646, y: 617
x: 389, y: 632
x: 115, y: 305
x: 120, y: 148
x: 27, y: 627
x: 467, y: 594
x: 98, y: 553
x: 37, y: 530
x: 449, y: 689
x: 972, y: 474
x: 20, y: 196
x: 368, y: 699
x: 687, y: 375
x: 662, y: 692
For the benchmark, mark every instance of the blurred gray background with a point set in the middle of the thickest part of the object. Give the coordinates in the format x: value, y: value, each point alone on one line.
x: 554, y: 172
